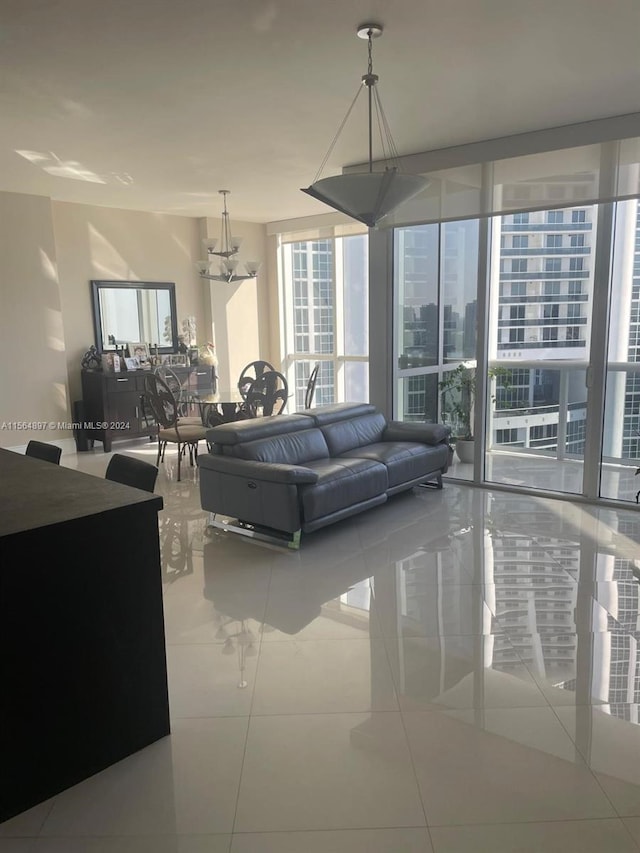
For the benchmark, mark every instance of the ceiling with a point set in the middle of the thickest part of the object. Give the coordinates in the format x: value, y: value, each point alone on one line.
x: 156, y: 104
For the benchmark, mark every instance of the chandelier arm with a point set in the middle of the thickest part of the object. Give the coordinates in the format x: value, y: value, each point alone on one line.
x: 230, y: 279
x: 335, y: 138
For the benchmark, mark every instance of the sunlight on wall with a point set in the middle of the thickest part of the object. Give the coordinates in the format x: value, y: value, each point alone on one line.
x: 184, y: 249
x: 243, y: 324
x: 107, y: 261
x: 75, y: 108
x: 54, y: 329
x: 49, y: 268
x: 61, y: 397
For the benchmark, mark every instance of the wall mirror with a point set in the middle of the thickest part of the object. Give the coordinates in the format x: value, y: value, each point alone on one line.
x: 135, y: 311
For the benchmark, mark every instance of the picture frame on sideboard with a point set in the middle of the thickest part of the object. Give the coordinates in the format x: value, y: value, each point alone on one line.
x: 138, y: 350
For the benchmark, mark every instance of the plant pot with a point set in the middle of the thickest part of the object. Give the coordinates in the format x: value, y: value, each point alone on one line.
x: 465, y: 449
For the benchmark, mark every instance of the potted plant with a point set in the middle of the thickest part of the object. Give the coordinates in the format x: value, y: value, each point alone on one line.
x: 458, y: 389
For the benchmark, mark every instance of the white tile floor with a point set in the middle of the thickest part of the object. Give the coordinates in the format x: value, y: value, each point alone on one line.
x: 454, y: 672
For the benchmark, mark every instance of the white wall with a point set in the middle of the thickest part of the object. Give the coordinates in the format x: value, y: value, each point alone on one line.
x: 32, y: 346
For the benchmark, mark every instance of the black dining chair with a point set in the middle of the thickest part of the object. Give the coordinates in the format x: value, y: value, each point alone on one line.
x: 250, y: 373
x: 311, y: 386
x: 184, y: 400
x: 163, y: 406
x: 42, y: 450
x: 268, y: 395
x: 131, y: 472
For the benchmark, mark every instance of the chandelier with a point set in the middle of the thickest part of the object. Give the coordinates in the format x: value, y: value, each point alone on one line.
x: 229, y: 246
x: 368, y: 196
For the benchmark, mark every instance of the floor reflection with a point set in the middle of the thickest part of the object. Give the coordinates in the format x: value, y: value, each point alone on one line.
x: 561, y: 605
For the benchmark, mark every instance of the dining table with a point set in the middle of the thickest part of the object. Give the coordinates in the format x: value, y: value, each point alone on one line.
x: 222, y: 405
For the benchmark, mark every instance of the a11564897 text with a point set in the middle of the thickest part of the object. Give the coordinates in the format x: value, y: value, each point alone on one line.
x: 45, y: 425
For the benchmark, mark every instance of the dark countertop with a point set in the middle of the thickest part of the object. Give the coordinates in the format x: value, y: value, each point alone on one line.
x: 36, y: 494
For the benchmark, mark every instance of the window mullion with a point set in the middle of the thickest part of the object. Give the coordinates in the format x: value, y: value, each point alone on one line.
x: 597, y: 373
x: 338, y: 315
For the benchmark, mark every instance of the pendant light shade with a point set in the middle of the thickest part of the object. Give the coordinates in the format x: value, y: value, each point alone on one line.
x: 372, y: 195
x: 367, y: 196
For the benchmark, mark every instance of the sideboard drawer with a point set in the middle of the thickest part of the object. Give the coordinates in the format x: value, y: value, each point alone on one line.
x: 121, y: 383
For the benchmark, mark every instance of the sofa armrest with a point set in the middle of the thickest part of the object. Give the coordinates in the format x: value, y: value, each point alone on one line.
x: 270, y: 472
x: 424, y: 433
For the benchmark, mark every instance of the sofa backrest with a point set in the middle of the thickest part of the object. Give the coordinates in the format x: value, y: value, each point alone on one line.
x: 334, y: 412
x: 293, y: 448
x: 343, y: 436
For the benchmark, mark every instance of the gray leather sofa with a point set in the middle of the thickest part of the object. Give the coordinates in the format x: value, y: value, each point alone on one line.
x: 296, y: 473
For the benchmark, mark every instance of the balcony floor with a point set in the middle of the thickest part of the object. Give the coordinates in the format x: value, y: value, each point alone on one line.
x: 543, y: 472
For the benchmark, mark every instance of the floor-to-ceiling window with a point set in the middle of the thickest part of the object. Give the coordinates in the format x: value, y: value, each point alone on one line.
x: 541, y: 281
x: 435, y: 310
x: 325, y: 317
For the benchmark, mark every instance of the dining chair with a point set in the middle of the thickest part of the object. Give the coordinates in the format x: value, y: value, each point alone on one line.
x: 164, y: 408
x: 267, y: 395
x: 184, y: 400
x: 311, y: 386
x: 42, y: 450
x: 131, y: 472
x: 250, y: 373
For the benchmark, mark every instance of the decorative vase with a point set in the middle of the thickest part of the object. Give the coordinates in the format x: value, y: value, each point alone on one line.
x: 465, y: 449
x: 207, y: 355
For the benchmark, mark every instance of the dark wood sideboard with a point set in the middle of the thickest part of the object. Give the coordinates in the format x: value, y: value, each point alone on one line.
x: 82, y: 646
x: 113, y: 401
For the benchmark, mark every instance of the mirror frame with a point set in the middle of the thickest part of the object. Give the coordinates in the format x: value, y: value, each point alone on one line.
x: 98, y: 285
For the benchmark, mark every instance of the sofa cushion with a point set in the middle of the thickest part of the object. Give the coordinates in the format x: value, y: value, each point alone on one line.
x: 405, y: 461
x: 356, y: 432
x: 294, y: 448
x: 341, y: 483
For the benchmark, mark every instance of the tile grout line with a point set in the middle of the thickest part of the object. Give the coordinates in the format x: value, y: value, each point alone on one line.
x: 408, y: 745
x: 246, y: 740
x: 584, y: 757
